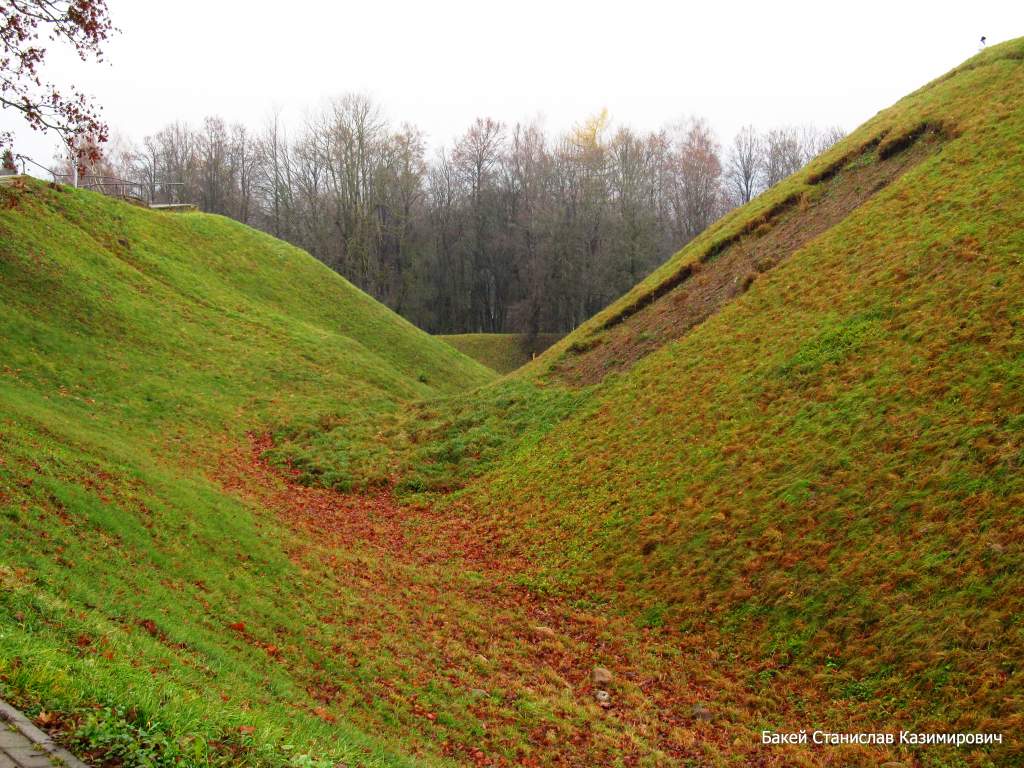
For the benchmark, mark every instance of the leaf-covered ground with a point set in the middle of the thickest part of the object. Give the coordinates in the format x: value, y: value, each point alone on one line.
x: 452, y: 644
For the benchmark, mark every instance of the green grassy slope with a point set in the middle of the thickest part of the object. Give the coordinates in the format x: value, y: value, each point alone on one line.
x: 804, y: 511
x: 197, y: 297
x: 502, y: 352
x: 137, y: 348
x: 825, y: 480
x: 814, y: 494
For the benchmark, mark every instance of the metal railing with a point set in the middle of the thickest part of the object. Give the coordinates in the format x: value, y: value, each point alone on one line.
x: 23, y: 159
x: 108, y: 185
x: 114, y: 186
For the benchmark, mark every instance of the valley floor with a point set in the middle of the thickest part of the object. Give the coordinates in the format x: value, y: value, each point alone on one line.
x: 450, y: 649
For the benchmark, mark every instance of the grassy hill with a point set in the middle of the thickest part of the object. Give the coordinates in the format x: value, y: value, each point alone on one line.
x: 788, y: 465
x: 809, y: 464
x: 502, y: 352
x: 252, y: 517
x: 138, y: 349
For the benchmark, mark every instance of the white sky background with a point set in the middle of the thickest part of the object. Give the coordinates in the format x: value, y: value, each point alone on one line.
x: 441, y: 63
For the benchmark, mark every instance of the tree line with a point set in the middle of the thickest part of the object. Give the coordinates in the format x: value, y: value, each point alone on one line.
x: 508, y: 229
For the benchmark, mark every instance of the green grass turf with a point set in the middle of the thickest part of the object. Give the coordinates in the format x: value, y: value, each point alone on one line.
x: 135, y: 345
x: 502, y: 352
x: 824, y: 482
x: 826, y: 479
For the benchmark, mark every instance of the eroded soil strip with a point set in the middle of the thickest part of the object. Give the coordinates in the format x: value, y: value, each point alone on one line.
x: 710, y: 285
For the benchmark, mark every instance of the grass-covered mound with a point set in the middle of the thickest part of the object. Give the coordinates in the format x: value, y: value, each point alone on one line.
x: 796, y: 458
x: 502, y: 352
x: 823, y: 478
x: 137, y: 349
x: 432, y: 446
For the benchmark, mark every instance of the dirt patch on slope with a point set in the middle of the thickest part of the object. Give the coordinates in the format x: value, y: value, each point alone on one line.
x: 729, y: 267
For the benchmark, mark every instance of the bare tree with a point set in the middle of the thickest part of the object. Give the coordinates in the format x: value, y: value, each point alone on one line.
x: 274, y: 183
x: 84, y: 25
x: 698, y: 198
x: 448, y: 280
x: 814, y: 141
x: 176, y: 152
x: 477, y: 158
x: 527, y: 171
x: 145, y: 168
x: 782, y: 154
x: 242, y: 162
x: 743, y: 166
x: 400, y: 199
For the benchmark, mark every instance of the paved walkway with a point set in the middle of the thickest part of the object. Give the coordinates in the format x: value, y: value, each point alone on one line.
x: 22, y: 745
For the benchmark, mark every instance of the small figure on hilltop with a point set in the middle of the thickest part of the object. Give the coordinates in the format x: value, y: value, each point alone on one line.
x: 981, y: 45
x: 7, y: 166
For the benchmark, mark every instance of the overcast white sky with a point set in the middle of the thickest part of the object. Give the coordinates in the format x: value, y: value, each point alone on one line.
x: 441, y: 63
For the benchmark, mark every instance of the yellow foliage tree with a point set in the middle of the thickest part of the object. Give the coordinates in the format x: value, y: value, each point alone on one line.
x: 589, y: 135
